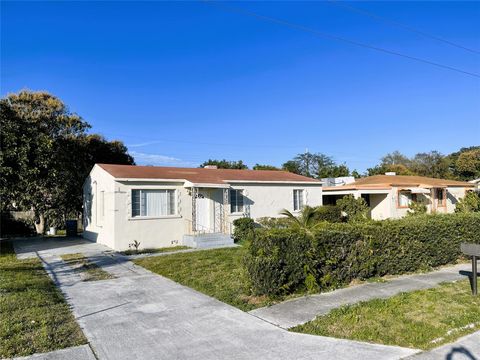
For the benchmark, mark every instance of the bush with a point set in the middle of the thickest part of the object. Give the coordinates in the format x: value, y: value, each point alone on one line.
x: 280, y: 261
x: 469, y: 203
x: 356, y: 209
x: 416, y: 208
x: 243, y: 229
x: 275, y: 260
x: 330, y: 213
x: 274, y: 222
x: 9, y: 226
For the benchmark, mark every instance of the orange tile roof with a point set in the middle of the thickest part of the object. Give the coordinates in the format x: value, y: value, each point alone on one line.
x: 202, y: 175
x: 388, y: 181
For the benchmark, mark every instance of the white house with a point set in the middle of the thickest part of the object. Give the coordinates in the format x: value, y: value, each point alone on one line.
x: 166, y: 206
x: 390, y: 195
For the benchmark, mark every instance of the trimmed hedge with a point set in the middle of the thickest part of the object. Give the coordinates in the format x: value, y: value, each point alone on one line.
x: 330, y: 213
x: 243, y: 229
x: 283, y: 260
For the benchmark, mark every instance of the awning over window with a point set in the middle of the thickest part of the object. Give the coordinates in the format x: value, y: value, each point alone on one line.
x: 419, y: 190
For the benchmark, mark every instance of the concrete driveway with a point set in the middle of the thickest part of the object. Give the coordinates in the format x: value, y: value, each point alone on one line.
x: 141, y: 315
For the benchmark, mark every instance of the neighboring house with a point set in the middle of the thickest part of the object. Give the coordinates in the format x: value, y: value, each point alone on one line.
x: 476, y: 183
x: 166, y: 206
x: 338, y: 181
x: 389, y: 196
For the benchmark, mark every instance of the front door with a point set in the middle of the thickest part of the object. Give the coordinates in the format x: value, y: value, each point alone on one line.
x: 202, y: 213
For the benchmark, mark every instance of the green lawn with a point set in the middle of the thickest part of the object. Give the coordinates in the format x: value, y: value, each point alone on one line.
x: 412, y: 319
x: 89, y: 270
x: 154, y: 250
x: 34, y: 316
x: 218, y: 273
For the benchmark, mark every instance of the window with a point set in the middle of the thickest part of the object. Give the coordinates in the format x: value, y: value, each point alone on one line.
x: 153, y: 203
x: 440, y: 195
x: 405, y: 198
x: 236, y: 201
x: 297, y: 200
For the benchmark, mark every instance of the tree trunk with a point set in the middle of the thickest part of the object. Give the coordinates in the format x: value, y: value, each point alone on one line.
x: 39, y: 223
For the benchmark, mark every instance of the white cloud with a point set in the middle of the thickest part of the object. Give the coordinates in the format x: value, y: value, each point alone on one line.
x: 143, y: 144
x: 159, y: 160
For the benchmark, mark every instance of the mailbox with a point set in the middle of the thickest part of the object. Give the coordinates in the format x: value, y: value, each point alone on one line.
x: 472, y: 250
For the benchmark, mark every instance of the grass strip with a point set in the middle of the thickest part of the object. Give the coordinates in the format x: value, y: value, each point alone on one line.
x: 88, y: 270
x: 34, y: 316
x: 421, y: 319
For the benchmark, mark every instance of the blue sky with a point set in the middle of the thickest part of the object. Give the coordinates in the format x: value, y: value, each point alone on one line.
x: 181, y: 82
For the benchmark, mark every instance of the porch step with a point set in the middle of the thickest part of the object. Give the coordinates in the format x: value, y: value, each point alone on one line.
x: 207, y: 240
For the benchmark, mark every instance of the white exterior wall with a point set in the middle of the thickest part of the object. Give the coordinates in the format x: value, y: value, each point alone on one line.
x: 380, y: 205
x: 151, y: 232
x: 117, y: 229
x: 99, y: 228
x: 453, y: 195
x: 261, y: 200
x: 384, y: 206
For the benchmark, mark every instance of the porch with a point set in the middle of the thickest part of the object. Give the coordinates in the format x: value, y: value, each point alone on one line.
x: 209, y: 225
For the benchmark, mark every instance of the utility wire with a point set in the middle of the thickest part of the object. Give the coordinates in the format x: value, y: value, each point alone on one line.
x: 321, y: 34
x: 400, y: 25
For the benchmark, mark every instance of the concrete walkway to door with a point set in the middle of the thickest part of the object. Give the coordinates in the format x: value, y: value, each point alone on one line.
x: 141, y: 315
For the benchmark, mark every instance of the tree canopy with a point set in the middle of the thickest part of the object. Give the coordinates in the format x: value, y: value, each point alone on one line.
x: 264, y: 167
x: 225, y: 164
x: 461, y: 165
x: 46, y: 155
x: 315, y: 165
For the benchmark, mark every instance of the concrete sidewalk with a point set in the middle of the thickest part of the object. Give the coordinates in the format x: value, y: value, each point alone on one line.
x: 301, y: 310
x: 141, y: 315
x: 465, y: 348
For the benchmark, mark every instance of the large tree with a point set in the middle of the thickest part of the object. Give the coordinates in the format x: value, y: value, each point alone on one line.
x: 225, y: 164
x: 45, y: 155
x: 315, y: 165
x: 396, y: 158
x: 431, y: 164
x: 264, y: 167
x: 465, y: 164
x: 398, y: 169
x: 88, y: 150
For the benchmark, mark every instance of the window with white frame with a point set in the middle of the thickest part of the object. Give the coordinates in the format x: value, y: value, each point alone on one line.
x: 297, y: 200
x: 153, y: 203
x: 236, y: 201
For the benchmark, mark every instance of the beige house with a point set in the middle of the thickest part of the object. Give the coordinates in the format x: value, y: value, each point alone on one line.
x: 166, y: 206
x: 389, y: 196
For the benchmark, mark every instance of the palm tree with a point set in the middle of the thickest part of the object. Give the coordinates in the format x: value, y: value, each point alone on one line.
x: 305, y: 221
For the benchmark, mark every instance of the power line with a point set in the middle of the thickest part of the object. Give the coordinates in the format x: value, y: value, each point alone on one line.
x: 321, y: 34
x: 400, y: 25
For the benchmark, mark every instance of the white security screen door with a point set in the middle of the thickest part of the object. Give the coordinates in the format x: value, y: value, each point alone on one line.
x: 203, y: 213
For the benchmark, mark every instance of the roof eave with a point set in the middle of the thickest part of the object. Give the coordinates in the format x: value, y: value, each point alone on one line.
x: 274, y: 182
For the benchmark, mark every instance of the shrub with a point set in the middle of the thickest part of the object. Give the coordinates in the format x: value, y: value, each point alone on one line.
x: 243, y: 229
x: 275, y: 260
x: 283, y: 260
x: 356, y: 209
x: 9, y: 226
x: 273, y: 223
x: 416, y: 208
x: 305, y: 220
x: 469, y: 203
x: 330, y: 213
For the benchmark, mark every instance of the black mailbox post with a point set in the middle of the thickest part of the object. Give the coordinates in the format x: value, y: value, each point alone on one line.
x: 472, y: 250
